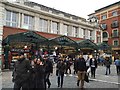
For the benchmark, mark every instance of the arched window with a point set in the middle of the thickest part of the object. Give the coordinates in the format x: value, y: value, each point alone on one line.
x: 105, y: 35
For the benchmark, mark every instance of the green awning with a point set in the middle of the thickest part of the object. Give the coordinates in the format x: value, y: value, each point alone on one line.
x: 64, y: 41
x: 86, y: 44
x: 29, y: 36
x: 104, y: 46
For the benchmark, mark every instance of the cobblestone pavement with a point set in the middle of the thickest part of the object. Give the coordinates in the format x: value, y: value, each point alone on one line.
x: 101, y: 81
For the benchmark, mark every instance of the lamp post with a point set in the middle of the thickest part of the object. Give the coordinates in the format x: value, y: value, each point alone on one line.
x: 95, y: 53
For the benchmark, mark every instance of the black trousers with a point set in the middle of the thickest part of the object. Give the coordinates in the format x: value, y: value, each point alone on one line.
x: 60, y: 79
x: 23, y: 86
x: 47, y: 80
x: 93, y: 69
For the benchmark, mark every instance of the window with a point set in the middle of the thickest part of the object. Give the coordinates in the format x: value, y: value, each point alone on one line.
x: 65, y: 32
x: 103, y: 17
x: 91, y: 38
x: 105, y: 35
x: 104, y: 26
x: 43, y: 25
x: 114, y: 13
x: 74, y: 31
x: 54, y: 27
x: 11, y: 18
x: 115, y: 24
x: 115, y: 33
x: 115, y: 43
x: 28, y: 22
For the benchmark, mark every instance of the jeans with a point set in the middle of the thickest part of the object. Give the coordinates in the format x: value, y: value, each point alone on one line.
x: 107, y: 70
x: 60, y: 79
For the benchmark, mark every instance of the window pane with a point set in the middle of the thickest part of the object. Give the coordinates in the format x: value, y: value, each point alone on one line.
x: 7, y: 23
x: 116, y: 43
x: 105, y: 35
x: 43, y: 25
x: 14, y: 24
x: 104, y: 17
x: 11, y: 17
x: 54, y: 28
x: 114, y: 13
x: 14, y: 17
x: 25, y: 19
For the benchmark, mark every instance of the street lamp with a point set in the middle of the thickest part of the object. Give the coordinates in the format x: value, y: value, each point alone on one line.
x: 95, y: 53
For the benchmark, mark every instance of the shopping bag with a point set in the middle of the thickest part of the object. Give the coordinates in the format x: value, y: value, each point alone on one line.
x: 89, y: 70
x: 86, y: 78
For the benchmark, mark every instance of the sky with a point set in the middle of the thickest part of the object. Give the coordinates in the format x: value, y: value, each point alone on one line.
x: 81, y: 8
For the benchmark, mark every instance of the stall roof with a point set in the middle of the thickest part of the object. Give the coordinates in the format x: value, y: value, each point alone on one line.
x: 29, y: 36
x: 86, y: 44
x: 104, y: 46
x: 64, y: 41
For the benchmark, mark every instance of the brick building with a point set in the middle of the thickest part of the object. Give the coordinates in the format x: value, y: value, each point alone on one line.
x: 109, y: 20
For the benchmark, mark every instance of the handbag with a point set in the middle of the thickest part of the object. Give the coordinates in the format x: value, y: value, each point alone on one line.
x: 86, y: 78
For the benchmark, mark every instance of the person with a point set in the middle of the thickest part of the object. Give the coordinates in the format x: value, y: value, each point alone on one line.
x: 68, y: 65
x: 88, y: 64
x: 21, y: 73
x: 39, y: 79
x: 107, y: 64
x: 74, y: 66
x: 48, y: 70
x: 60, y: 67
x: 117, y: 63
x: 81, y: 70
x: 93, y: 66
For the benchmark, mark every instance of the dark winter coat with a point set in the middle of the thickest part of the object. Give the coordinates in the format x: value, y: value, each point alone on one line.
x: 81, y: 64
x: 39, y: 71
x: 48, y: 66
x: 21, y: 71
x: 61, y: 67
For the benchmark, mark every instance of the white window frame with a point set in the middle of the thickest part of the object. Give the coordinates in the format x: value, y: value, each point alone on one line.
x: 103, y: 17
x: 114, y: 13
x: 65, y: 29
x: 54, y: 27
x: 114, y: 30
x: 43, y: 23
x: 29, y: 24
x: 114, y: 42
x: 11, y: 22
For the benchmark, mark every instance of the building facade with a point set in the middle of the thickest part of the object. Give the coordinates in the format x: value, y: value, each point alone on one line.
x: 23, y: 15
x: 109, y: 20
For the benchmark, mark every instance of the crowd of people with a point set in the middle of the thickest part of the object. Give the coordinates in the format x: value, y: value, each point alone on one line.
x: 34, y: 74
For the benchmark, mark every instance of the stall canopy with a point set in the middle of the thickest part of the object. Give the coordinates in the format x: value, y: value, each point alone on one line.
x: 104, y: 46
x: 63, y: 41
x: 86, y: 44
x: 29, y: 36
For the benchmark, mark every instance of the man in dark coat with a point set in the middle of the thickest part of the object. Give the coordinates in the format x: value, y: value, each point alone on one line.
x: 81, y: 70
x: 21, y: 73
x: 48, y: 70
x: 60, y: 70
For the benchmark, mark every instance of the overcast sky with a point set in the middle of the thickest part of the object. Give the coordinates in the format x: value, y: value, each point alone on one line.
x: 80, y: 8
